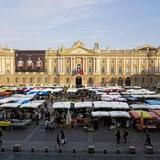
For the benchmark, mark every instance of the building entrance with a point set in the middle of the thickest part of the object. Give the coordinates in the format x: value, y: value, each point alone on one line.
x: 78, y: 82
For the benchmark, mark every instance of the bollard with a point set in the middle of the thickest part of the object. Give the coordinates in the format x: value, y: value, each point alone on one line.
x: 2, y: 148
x: 17, y: 148
x: 91, y: 149
x: 105, y: 151
x: 118, y: 150
x: 74, y: 150
x: 132, y: 149
x: 32, y: 149
x: 149, y: 150
x: 46, y: 149
x: 60, y: 150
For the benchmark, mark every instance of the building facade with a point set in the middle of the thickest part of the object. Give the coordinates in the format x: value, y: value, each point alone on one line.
x: 78, y: 65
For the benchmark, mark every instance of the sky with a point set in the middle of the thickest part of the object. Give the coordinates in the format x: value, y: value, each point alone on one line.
x: 44, y: 24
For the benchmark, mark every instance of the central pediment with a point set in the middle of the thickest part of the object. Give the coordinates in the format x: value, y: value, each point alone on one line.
x: 79, y: 51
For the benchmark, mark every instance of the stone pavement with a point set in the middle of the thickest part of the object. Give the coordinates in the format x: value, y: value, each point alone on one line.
x: 38, y: 137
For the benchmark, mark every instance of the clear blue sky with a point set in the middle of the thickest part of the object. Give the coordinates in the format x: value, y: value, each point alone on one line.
x: 43, y: 24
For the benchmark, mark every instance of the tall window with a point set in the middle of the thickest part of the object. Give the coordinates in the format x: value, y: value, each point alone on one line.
x: 90, y: 70
x: 127, y: 69
x: 135, y: 69
x: 79, y: 67
x: 67, y: 69
x: 103, y: 69
x: 112, y: 70
x: 120, y: 70
x: 55, y: 69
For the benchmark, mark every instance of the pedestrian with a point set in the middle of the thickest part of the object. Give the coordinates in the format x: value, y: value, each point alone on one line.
x: 125, y: 135
x: 58, y: 141
x: 1, y: 134
x: 118, y: 135
x: 62, y: 137
x: 148, y: 139
x: 37, y: 119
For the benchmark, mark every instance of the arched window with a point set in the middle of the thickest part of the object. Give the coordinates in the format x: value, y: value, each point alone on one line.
x: 90, y: 82
x: 103, y: 81
x: 113, y: 81
x: 128, y: 81
x: 79, y: 67
x: 120, y: 81
x: 120, y: 70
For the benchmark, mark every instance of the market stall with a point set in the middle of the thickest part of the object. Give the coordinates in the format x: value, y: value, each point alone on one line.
x: 144, y: 119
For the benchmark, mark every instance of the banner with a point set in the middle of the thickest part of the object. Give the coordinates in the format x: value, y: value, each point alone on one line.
x: 29, y: 60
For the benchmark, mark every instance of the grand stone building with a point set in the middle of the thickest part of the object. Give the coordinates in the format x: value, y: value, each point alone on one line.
x: 79, y: 65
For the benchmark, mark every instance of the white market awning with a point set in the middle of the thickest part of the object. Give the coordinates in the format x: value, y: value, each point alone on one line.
x: 9, y: 105
x: 123, y: 114
x: 85, y: 104
x: 102, y: 104
x: 100, y: 114
x: 62, y: 105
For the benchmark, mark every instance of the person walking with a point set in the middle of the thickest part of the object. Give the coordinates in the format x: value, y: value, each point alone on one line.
x: 125, y: 135
x: 62, y: 137
x: 37, y: 119
x: 1, y: 134
x: 58, y: 141
x: 148, y: 139
x: 118, y: 135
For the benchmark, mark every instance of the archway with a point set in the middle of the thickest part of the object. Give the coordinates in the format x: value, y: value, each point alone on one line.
x: 128, y: 81
x: 90, y: 82
x: 113, y: 81
x: 78, y: 81
x: 103, y: 81
x: 120, y: 81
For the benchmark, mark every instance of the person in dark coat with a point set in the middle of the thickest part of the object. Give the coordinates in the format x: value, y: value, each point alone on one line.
x: 148, y: 139
x: 125, y: 135
x: 62, y: 136
x: 1, y: 134
x: 118, y: 135
x: 58, y: 140
x: 37, y: 119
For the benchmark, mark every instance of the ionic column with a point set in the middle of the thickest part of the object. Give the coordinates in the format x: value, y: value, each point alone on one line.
x: 59, y: 65
x: 12, y: 65
x: 132, y: 70
x: 108, y: 69
x: 139, y: 68
x: 3, y: 65
x: 116, y: 66
x: 124, y: 66
x: 95, y: 64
